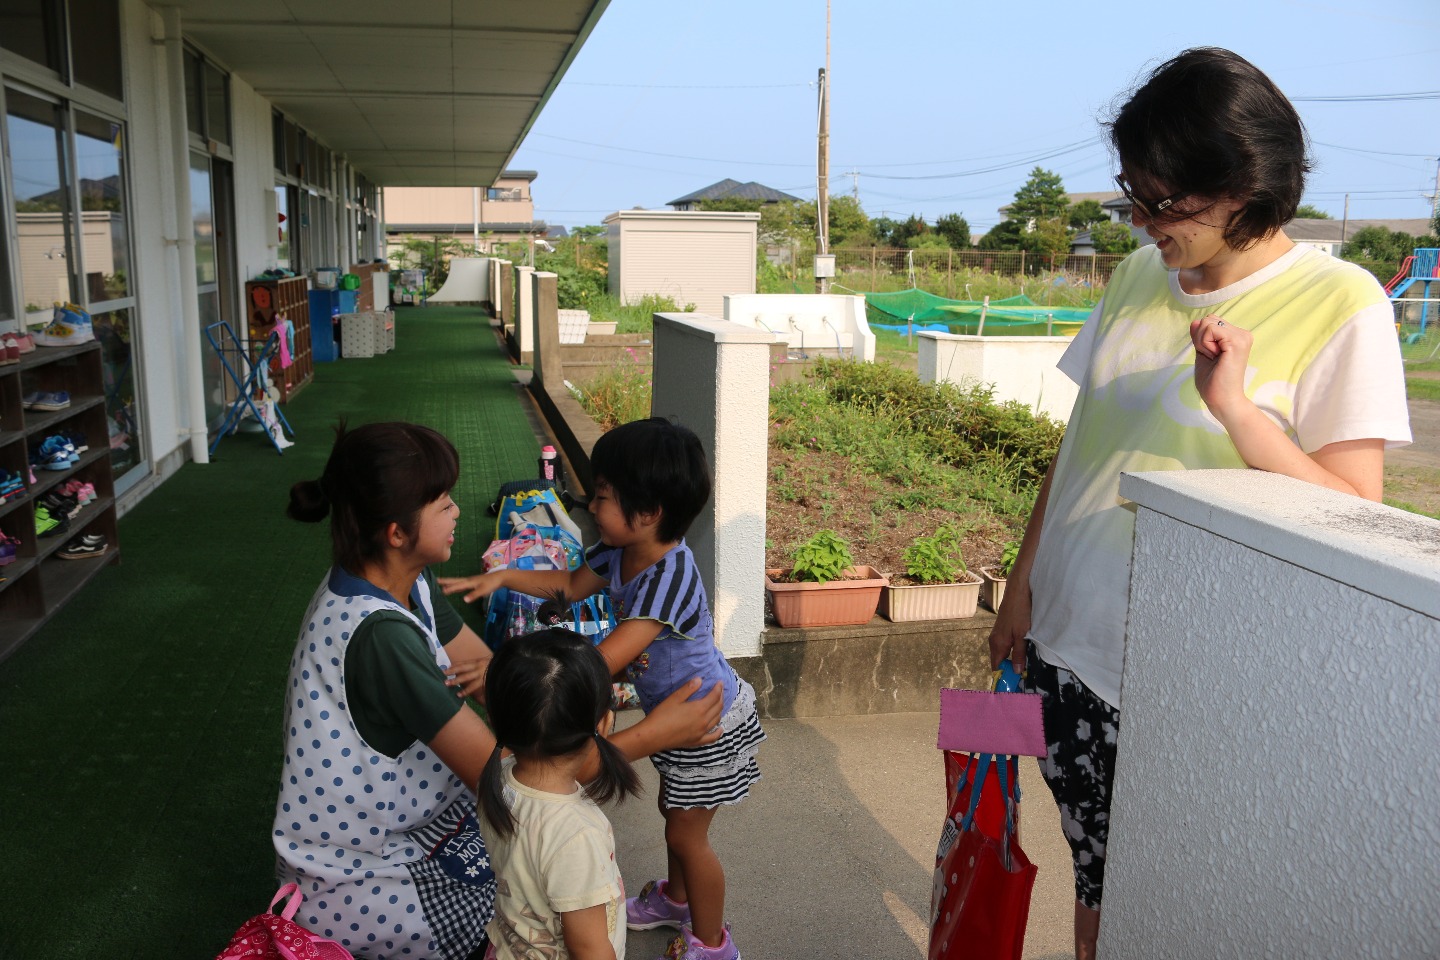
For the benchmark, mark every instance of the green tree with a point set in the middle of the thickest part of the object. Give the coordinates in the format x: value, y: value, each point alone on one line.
x: 1112, y: 238
x: 1086, y: 213
x: 885, y: 229
x: 955, y: 229
x: 1050, y: 237
x: 848, y: 223
x: 1005, y: 235
x: 1308, y: 211
x: 914, y: 226
x: 927, y: 241
x: 1377, y: 243
x: 1040, y: 197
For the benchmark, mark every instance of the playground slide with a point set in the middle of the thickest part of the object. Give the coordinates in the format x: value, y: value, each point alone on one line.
x: 469, y: 281
x: 1403, y: 272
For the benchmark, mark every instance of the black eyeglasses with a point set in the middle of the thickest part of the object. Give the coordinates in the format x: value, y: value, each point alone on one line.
x: 1150, y: 209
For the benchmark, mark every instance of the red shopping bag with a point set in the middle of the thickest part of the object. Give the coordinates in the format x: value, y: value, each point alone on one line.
x: 980, y: 900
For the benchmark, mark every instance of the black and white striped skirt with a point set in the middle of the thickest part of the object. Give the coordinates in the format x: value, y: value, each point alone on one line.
x: 719, y: 773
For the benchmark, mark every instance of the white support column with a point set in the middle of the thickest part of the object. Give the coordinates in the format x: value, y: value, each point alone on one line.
x: 730, y: 412
x: 524, y: 313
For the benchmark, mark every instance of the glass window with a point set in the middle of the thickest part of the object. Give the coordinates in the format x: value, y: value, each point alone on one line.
x: 7, y: 290
x: 42, y: 200
x: 282, y: 206
x: 203, y: 215
x: 194, y: 94
x: 277, y: 135
x: 32, y: 29
x: 112, y: 329
x: 105, y: 228
x: 217, y: 104
x: 95, y: 45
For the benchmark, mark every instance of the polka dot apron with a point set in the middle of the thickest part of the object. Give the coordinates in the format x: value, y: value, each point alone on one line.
x: 386, y: 850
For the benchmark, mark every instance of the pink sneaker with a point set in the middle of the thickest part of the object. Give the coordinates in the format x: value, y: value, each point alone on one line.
x: 11, y: 353
x: 687, y: 947
x: 653, y: 909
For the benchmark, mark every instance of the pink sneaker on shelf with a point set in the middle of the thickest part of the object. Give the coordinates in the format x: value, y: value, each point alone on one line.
x: 26, y: 342
x: 688, y: 947
x: 11, y: 345
x: 652, y: 908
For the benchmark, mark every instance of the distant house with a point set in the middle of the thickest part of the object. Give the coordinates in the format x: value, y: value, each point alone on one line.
x: 501, y: 213
x: 732, y: 190
x: 1326, y: 234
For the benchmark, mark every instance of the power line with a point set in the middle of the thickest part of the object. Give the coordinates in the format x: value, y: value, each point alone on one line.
x: 689, y: 86
x: 1372, y: 97
x: 1382, y: 153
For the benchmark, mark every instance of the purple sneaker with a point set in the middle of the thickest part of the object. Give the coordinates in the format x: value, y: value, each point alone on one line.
x: 653, y: 909
x: 688, y: 947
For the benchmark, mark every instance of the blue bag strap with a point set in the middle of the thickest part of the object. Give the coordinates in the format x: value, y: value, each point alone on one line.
x: 981, y: 764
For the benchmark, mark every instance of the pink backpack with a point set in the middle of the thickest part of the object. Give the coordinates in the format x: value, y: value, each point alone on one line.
x: 277, y: 937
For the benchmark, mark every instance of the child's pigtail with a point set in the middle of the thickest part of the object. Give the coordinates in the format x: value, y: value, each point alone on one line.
x: 616, y: 778
x: 491, y: 793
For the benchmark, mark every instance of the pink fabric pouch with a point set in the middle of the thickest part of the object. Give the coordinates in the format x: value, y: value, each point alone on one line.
x: 974, y: 721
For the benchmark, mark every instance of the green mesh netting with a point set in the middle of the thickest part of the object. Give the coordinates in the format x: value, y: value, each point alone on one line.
x: 1006, y: 316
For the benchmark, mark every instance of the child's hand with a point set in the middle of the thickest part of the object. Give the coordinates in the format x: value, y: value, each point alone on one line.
x: 469, y: 676
x: 480, y: 585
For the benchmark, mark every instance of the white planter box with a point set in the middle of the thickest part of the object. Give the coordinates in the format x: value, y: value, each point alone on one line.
x: 934, y: 601
x: 992, y: 591
x: 602, y: 328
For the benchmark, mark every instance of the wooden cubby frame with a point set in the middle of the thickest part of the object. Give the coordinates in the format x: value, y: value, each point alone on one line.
x: 38, y: 583
x: 290, y: 297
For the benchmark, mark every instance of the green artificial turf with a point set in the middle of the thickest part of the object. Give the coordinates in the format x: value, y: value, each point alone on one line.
x: 140, y: 730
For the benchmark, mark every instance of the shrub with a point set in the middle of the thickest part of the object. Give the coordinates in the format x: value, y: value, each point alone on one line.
x: 619, y: 395
x: 938, y: 558
x: 822, y: 558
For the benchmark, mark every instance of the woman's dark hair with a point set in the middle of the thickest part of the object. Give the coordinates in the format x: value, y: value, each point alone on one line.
x: 1209, y: 123
x: 546, y: 694
x: 655, y: 464
x: 378, y: 474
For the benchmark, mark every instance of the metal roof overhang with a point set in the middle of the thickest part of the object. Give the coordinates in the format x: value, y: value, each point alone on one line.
x: 425, y: 93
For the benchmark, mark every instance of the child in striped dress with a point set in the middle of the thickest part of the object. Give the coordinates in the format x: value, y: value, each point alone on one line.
x: 651, y: 481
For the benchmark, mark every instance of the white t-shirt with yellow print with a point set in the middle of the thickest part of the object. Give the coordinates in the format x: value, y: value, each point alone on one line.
x: 560, y: 858
x: 1325, y: 366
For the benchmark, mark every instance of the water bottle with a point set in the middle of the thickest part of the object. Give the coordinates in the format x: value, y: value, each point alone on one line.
x: 549, y: 463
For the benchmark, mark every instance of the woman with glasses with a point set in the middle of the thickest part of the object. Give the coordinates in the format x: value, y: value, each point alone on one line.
x: 1222, y: 344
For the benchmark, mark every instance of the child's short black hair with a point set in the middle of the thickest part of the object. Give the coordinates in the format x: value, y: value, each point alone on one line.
x: 546, y: 694
x: 655, y: 464
x: 1208, y: 122
x: 377, y: 474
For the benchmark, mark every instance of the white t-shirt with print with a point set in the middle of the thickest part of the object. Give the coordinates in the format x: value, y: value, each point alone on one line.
x: 1325, y: 366
x: 560, y: 858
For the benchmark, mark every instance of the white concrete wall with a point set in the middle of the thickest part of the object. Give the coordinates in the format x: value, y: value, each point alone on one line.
x: 524, y: 312
x: 1019, y: 368
x: 1277, y: 793
x: 730, y: 412
x: 808, y: 323
x: 256, y: 241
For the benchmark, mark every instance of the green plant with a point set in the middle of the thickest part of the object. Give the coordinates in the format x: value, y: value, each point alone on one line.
x: 822, y: 558
x: 937, y: 558
x: 1007, y: 557
x: 619, y: 395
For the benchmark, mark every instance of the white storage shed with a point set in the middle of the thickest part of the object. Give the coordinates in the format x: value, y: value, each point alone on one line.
x: 691, y: 256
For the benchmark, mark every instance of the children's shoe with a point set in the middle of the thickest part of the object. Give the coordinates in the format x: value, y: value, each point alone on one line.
x: 25, y: 342
x: 653, y: 909
x: 688, y: 947
x: 29, y: 399
x: 83, y: 548
x: 47, y: 525
x: 11, y: 352
x: 71, y: 326
x: 9, y: 550
x: 57, y: 400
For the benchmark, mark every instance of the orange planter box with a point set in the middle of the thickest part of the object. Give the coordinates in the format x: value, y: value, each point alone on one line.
x: 834, y: 604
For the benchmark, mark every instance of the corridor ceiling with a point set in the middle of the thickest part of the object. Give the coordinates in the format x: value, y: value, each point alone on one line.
x: 419, y: 93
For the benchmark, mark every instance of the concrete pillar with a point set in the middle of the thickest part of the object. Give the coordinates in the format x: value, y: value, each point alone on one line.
x: 549, y: 371
x: 730, y: 411
x: 524, y: 313
x: 505, y: 302
x: 1276, y: 790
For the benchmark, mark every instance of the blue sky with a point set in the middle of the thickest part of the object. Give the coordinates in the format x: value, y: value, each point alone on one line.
x: 667, y: 97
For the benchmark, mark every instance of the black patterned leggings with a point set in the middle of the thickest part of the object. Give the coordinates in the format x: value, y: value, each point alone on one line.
x: 1079, y: 767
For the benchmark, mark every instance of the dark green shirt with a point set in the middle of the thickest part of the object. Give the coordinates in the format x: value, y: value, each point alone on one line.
x: 393, y: 688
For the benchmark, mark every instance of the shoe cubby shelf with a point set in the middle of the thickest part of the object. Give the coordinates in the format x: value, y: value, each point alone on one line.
x: 39, y: 582
x: 287, y: 298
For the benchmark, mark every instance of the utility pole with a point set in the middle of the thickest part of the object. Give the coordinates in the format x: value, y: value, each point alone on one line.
x: 1435, y: 200
x: 822, y: 192
x: 1344, y: 222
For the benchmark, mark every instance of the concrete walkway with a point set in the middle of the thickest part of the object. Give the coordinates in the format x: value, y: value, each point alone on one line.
x: 832, y: 854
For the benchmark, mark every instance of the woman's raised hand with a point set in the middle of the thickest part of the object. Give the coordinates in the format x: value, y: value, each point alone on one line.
x: 1222, y: 355
x: 480, y: 585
